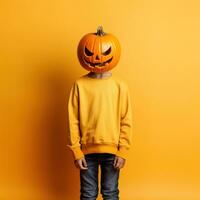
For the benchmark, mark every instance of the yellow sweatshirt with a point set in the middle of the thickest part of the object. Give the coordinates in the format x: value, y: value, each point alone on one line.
x: 99, y: 117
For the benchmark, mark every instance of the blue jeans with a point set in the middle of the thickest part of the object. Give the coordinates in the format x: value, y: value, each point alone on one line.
x: 109, y: 177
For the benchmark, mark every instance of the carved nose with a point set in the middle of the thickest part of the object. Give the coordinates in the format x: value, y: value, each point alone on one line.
x: 97, y: 57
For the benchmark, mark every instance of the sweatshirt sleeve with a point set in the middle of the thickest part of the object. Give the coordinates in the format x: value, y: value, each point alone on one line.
x: 125, y: 139
x: 73, y: 131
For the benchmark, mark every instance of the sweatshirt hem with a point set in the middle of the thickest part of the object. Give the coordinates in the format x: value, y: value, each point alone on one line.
x: 99, y: 148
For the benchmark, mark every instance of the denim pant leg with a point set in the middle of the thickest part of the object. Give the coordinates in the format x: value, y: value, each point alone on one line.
x: 109, y: 178
x: 89, y: 179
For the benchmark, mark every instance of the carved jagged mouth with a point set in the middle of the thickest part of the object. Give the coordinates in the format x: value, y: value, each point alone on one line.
x: 99, y: 64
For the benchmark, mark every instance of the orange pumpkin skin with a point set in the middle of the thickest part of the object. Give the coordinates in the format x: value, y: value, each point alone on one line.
x: 99, y: 52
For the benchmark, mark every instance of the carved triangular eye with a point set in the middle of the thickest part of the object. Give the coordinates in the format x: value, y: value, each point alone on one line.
x: 88, y: 52
x: 107, y: 52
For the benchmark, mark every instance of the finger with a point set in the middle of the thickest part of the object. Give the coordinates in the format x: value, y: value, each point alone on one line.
x: 81, y: 165
x: 121, y: 165
x: 115, y: 161
x: 118, y: 164
x: 84, y: 162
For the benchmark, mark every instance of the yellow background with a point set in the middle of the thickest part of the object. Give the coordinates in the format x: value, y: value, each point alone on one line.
x: 160, y: 61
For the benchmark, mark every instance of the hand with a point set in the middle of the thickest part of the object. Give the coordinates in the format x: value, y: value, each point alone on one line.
x: 81, y: 163
x: 119, y: 162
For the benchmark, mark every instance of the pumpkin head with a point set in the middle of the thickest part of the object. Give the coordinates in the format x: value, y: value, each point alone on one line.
x: 98, y: 52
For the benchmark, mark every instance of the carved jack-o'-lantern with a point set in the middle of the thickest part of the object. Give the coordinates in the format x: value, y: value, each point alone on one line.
x: 99, y: 52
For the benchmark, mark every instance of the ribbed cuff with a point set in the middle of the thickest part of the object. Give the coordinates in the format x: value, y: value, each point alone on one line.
x: 77, y: 152
x: 122, y: 152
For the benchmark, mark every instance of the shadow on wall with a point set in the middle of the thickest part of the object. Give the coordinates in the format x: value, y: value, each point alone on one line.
x: 52, y: 163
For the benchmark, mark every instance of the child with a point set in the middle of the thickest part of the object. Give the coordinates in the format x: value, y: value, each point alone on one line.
x: 99, y: 120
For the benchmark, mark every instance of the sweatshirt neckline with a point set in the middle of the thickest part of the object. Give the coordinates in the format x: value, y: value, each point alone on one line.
x: 99, y: 79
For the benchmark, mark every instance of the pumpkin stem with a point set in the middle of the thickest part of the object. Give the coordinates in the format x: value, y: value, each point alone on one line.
x: 100, y: 31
